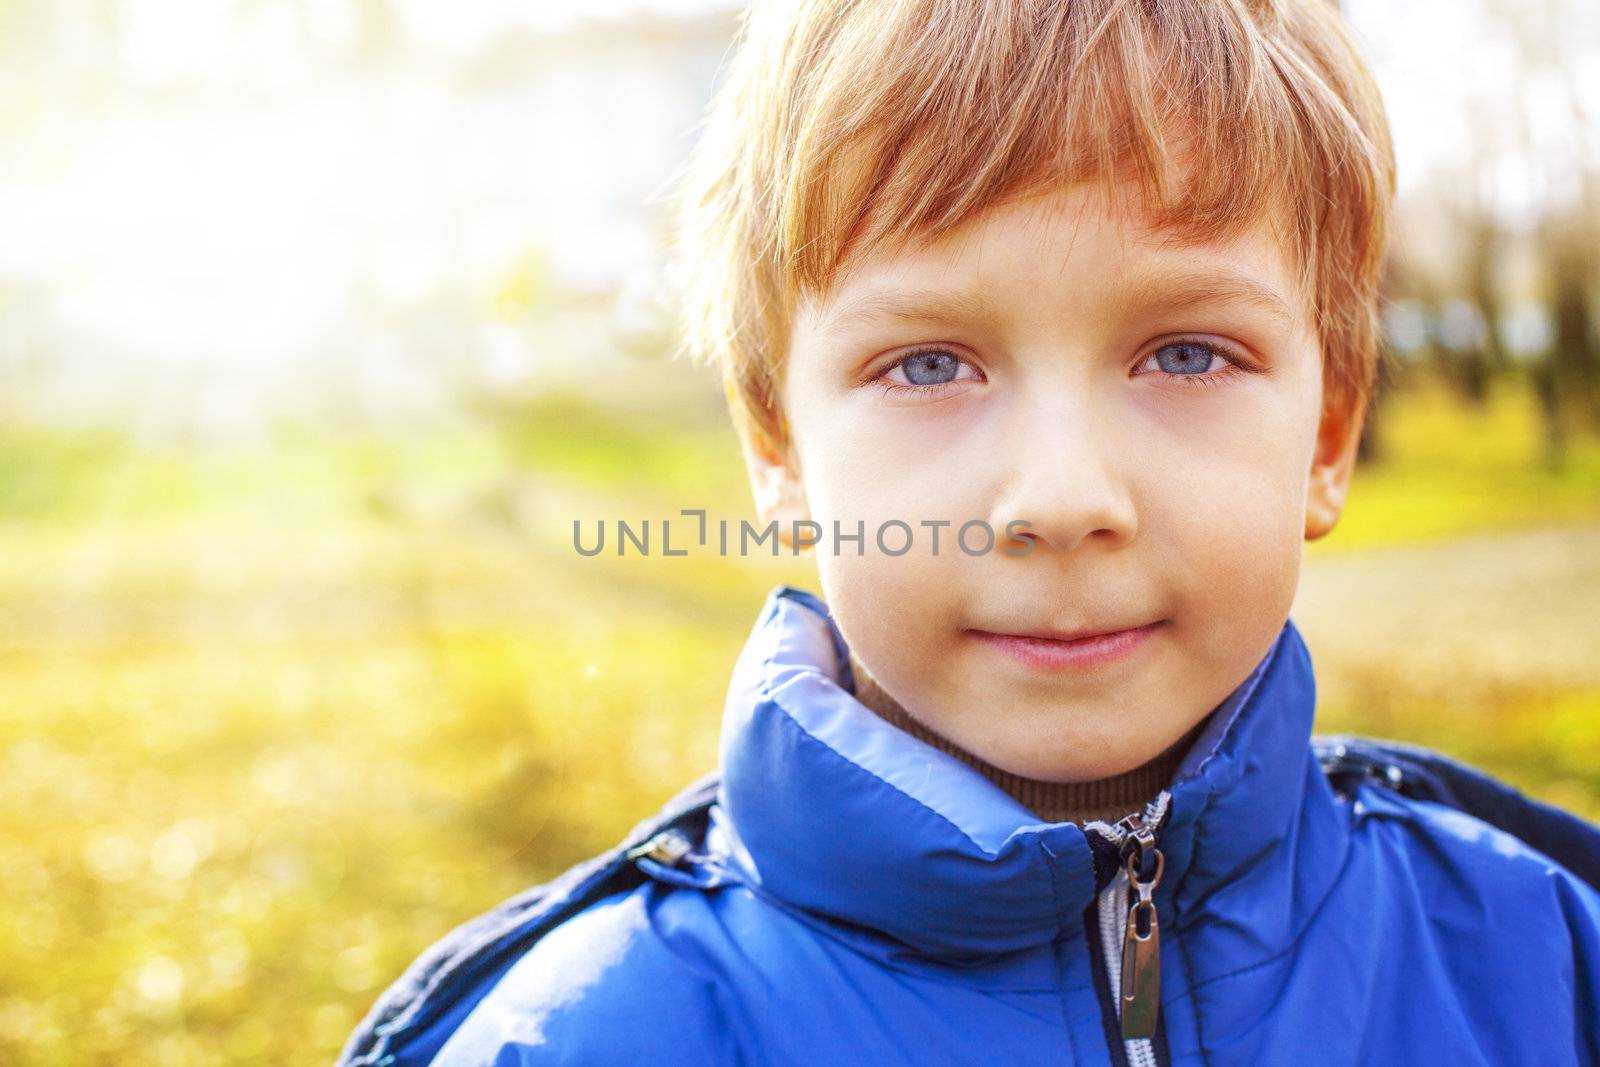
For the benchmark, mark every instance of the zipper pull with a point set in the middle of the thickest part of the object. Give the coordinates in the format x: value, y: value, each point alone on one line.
x: 668, y: 847
x: 1141, y: 942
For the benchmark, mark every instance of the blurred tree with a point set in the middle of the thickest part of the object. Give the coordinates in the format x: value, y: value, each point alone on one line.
x: 1485, y: 245
x: 1396, y: 279
x: 1468, y: 350
x: 1569, y: 376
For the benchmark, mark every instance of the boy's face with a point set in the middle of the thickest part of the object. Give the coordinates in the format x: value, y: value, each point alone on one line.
x: 1074, y: 374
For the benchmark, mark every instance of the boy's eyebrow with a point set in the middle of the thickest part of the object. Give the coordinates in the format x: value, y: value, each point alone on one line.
x: 1180, y: 290
x: 951, y: 308
x: 1174, y: 290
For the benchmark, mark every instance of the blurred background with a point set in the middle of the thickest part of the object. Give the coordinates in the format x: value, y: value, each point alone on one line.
x: 321, y: 320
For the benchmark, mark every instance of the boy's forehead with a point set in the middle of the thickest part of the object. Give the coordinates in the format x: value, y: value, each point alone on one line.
x: 1071, y: 236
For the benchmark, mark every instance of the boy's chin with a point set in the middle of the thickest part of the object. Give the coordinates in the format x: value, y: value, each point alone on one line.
x: 1062, y: 760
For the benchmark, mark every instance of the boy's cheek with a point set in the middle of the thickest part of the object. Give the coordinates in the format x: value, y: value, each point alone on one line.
x: 870, y: 489
x: 893, y: 611
x: 1237, y: 536
x: 1259, y: 508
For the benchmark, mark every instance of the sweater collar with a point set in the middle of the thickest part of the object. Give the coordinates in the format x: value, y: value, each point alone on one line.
x: 827, y: 809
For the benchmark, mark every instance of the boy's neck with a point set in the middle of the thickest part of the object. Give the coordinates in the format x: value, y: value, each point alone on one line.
x: 1078, y: 802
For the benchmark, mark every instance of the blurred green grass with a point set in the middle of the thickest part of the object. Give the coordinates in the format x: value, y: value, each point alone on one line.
x: 1451, y: 468
x: 278, y: 718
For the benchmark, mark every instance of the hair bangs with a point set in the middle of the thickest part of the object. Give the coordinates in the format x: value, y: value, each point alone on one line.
x: 1168, y: 107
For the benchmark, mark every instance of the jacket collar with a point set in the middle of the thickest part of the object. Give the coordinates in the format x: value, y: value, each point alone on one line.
x: 826, y: 808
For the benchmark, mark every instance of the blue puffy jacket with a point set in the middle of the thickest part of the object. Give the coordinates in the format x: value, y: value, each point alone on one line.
x: 840, y: 892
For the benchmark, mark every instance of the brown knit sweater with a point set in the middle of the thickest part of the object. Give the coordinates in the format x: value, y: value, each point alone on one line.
x: 1105, y: 798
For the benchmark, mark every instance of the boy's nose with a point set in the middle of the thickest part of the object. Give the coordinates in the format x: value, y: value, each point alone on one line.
x: 1067, y: 478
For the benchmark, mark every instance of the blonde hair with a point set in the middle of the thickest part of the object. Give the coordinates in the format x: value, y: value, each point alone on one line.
x: 848, y: 126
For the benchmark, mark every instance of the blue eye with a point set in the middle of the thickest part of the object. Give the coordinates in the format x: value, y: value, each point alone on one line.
x: 1190, y: 362
x: 928, y: 370
x: 1185, y: 357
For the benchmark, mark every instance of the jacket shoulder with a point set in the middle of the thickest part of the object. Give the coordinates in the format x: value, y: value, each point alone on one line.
x: 1482, y: 886
x: 604, y: 986
x: 1477, y: 851
x: 1463, y: 802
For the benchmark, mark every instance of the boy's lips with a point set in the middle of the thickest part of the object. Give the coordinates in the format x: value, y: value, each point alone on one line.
x: 1065, y: 635
x: 1060, y: 649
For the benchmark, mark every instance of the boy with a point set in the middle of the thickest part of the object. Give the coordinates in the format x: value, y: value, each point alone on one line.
x: 1098, y: 277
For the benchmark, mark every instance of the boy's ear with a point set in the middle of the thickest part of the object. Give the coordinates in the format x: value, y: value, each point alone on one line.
x: 775, y: 484
x: 1338, y: 436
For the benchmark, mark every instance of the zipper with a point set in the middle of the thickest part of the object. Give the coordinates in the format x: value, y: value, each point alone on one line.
x: 1130, y: 935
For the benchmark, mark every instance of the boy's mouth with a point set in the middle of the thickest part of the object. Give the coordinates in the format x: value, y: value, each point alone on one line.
x: 1054, y: 649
